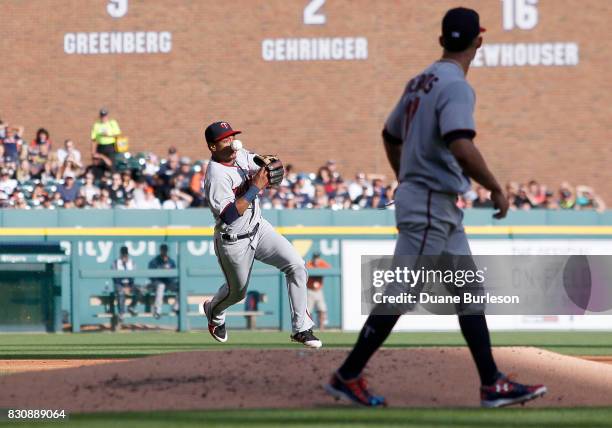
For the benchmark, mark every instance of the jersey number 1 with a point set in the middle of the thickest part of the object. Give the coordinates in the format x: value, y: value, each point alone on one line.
x: 411, y: 109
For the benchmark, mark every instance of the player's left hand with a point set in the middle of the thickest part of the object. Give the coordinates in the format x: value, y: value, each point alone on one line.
x: 274, y: 167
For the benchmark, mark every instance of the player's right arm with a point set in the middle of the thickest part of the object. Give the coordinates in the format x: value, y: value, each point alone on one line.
x: 260, y: 181
x: 223, y: 202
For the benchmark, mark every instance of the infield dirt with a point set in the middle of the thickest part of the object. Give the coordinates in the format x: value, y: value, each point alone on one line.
x: 416, y: 377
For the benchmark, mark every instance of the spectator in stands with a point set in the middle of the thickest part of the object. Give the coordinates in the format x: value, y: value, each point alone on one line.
x: 19, y: 201
x: 537, y: 193
x: 378, y: 195
x: 180, y: 182
x: 178, y: 200
x: 324, y: 178
x: 482, y: 198
x: 587, y: 200
x: 69, y: 190
x: 122, y: 286
x: 291, y: 202
x: 355, y: 187
x: 40, y: 144
x: 550, y: 203
x: 290, y: 174
x: 129, y: 202
x: 47, y: 204
x: 116, y: 190
x: 170, y: 167
x: 150, y: 201
x: 390, y: 196
x: 104, y: 134
x: 57, y: 200
x: 12, y: 143
x: 195, y: 184
x: 88, y: 190
x: 39, y: 195
x: 100, y: 165
x: 160, y: 285
x: 341, y: 196
x: 47, y: 174
x: 277, y: 203
x: 37, y: 165
x: 7, y: 184
x: 80, y: 202
x: 23, y: 172
x: 512, y: 189
x: 69, y: 167
x: 567, y: 200
x: 521, y: 200
x: 185, y: 169
x: 284, y: 189
x: 151, y: 166
x: 267, y: 196
x: 101, y: 201
x: 68, y: 152
x: 138, y: 194
x: 363, y: 199
x: 304, y: 188
x: 320, y: 197
x: 38, y: 151
x: 128, y: 182
x: 333, y: 171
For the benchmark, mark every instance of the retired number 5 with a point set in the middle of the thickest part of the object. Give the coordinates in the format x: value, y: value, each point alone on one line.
x: 117, y: 8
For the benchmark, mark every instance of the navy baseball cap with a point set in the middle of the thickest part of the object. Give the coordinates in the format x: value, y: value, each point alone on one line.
x: 459, y: 27
x: 218, y: 131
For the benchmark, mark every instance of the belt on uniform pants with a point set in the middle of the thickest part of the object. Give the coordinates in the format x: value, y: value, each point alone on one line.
x: 234, y: 237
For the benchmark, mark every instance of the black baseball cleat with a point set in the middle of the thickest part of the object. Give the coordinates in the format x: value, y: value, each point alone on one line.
x: 505, y: 392
x: 307, y: 339
x: 354, y: 390
x: 218, y: 332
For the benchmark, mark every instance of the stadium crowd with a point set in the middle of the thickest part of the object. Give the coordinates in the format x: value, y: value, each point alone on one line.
x: 37, y: 174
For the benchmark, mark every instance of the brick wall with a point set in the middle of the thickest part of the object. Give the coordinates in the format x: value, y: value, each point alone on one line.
x: 551, y: 123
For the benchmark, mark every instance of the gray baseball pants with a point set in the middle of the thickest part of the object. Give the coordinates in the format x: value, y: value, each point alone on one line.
x: 236, y: 260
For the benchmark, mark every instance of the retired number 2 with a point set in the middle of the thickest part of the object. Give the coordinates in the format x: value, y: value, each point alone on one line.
x: 312, y: 15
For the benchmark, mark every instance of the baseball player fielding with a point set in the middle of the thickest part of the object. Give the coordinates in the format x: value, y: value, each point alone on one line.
x: 233, y: 182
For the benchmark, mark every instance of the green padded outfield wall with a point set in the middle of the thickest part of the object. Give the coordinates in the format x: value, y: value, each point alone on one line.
x: 97, y: 250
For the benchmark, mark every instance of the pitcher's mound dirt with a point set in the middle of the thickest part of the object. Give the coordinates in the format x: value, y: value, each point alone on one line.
x: 17, y: 366
x: 416, y: 377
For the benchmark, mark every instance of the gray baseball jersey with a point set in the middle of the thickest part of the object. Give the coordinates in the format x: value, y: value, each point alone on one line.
x: 223, y: 184
x: 435, y: 104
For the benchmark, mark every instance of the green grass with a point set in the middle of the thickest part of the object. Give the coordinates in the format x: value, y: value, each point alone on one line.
x: 347, y: 417
x: 129, y: 345
x: 119, y: 345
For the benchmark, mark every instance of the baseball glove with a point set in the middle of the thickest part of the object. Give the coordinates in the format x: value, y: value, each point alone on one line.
x: 274, y: 166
